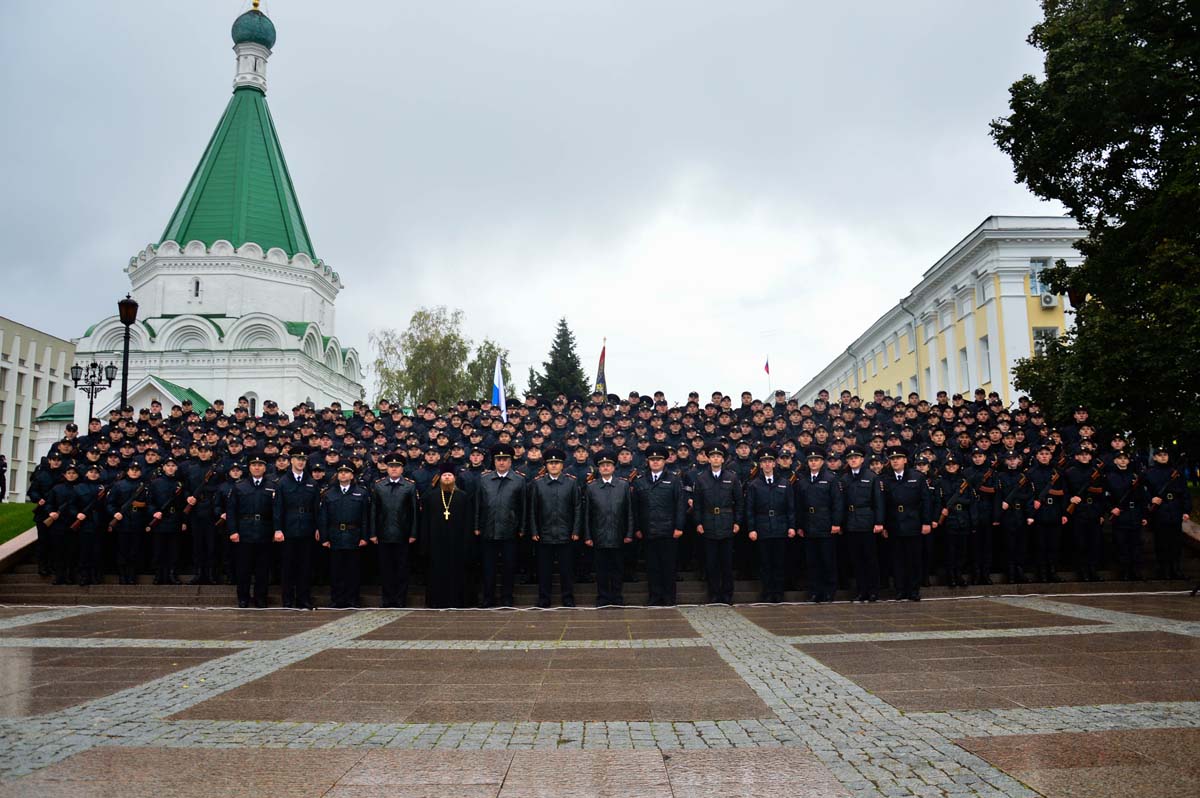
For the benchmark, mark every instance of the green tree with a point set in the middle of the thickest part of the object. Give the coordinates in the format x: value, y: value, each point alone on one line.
x: 482, y: 370
x: 426, y: 361
x: 533, y: 382
x: 1112, y: 131
x: 562, y: 372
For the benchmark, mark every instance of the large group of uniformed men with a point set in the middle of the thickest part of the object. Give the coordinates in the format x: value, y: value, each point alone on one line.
x: 605, y: 489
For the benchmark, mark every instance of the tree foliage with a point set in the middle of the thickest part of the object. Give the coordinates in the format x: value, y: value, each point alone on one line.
x: 1113, y: 132
x: 562, y: 372
x: 482, y: 370
x: 426, y: 361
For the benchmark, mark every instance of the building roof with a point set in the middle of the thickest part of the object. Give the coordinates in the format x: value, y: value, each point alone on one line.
x: 199, y: 403
x: 241, y: 190
x: 59, y: 411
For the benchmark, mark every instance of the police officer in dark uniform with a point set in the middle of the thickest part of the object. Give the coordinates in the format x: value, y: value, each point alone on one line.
x: 1085, y: 496
x: 863, y: 497
x: 45, y: 477
x: 127, y: 507
x: 297, y: 498
x: 659, y: 509
x: 249, y: 517
x: 770, y: 519
x: 343, y: 523
x: 1048, y: 509
x: 201, y: 479
x: 819, y: 513
x: 908, y: 514
x: 1013, y: 494
x: 1125, y: 494
x: 62, y: 505
x: 499, y: 523
x: 608, y: 526
x: 717, y: 496
x: 981, y: 473
x: 90, y: 494
x: 166, y: 503
x: 555, y: 523
x: 394, y: 510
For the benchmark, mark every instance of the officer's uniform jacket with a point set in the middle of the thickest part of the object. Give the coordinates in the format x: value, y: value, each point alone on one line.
x: 608, y: 512
x: 86, y: 495
x: 555, y: 508
x: 907, y: 502
x: 717, y: 502
x: 1012, y: 486
x: 863, y: 498
x: 250, y: 511
x: 166, y: 497
x: 40, y: 485
x: 959, y: 503
x: 659, y: 508
x: 1049, y: 488
x: 344, y: 517
x: 770, y: 509
x: 202, y: 483
x: 295, y: 508
x: 394, y: 510
x: 1167, y: 482
x: 983, y: 481
x: 819, y: 504
x: 500, y: 505
x: 1084, y: 482
x: 1123, y: 491
x: 133, y: 510
x: 65, y: 502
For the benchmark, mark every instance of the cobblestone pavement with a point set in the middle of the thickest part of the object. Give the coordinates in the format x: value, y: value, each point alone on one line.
x: 862, y: 742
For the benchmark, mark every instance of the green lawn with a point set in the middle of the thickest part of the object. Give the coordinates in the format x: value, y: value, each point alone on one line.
x: 14, y: 519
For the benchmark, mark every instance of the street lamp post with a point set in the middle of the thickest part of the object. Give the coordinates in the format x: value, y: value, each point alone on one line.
x: 92, y: 379
x: 128, y: 308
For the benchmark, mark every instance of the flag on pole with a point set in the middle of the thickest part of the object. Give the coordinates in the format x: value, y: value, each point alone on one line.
x: 767, y: 366
x: 601, y: 382
x: 498, y: 391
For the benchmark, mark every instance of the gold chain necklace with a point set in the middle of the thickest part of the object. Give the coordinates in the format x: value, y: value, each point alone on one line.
x: 446, y: 504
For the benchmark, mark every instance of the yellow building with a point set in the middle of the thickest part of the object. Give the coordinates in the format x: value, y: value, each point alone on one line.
x: 976, y: 311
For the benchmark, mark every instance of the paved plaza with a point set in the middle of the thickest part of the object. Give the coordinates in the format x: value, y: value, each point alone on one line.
x: 1089, y: 695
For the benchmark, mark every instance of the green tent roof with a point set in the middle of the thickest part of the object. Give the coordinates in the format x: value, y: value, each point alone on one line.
x: 241, y: 190
x: 59, y: 411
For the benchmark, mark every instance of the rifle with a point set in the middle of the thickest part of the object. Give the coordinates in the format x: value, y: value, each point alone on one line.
x: 1041, y: 499
x: 124, y: 508
x: 1137, y: 481
x: 78, y: 523
x: 1167, y: 486
x: 963, y: 487
x: 1020, y: 484
x: 188, y: 508
x: 156, y: 521
x: 1097, y: 472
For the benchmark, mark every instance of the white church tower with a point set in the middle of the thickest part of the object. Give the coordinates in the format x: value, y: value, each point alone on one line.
x: 233, y: 300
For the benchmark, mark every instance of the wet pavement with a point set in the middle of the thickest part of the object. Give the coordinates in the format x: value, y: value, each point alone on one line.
x: 1093, y: 695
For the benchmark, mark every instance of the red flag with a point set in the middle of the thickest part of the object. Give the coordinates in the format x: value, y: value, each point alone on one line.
x: 767, y: 366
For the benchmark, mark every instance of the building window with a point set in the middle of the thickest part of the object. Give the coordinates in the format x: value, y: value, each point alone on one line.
x: 928, y: 380
x: 899, y: 389
x: 1036, y: 265
x: 944, y: 374
x: 964, y: 371
x: 195, y: 288
x: 1042, y: 336
x: 985, y: 361
x: 913, y: 387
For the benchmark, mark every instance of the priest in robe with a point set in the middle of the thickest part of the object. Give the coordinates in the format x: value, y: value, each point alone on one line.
x: 447, y: 535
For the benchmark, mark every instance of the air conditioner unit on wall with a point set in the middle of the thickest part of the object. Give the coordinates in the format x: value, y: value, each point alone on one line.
x: 1049, y: 301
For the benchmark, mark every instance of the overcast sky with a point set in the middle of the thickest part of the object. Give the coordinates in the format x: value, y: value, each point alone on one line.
x: 704, y: 183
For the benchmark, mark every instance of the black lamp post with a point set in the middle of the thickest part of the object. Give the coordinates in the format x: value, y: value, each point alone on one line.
x: 128, y: 308
x: 92, y: 379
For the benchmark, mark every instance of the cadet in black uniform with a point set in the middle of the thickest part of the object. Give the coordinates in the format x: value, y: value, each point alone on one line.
x: 555, y: 523
x: 343, y: 523
x: 982, y: 476
x: 770, y: 519
x: 499, y: 523
x: 394, y: 510
x: 1013, y: 494
x: 295, y: 515
x: 90, y: 494
x: 959, y: 518
x: 819, y: 512
x: 62, y: 506
x: 249, y: 517
x: 864, y: 521
x: 659, y: 508
x: 1048, y: 509
x: 908, y: 513
x: 608, y: 526
x: 1170, y: 505
x: 165, y: 504
x: 201, y: 480
x: 1085, y: 495
x: 127, y: 508
x: 717, y: 494
x: 1125, y: 494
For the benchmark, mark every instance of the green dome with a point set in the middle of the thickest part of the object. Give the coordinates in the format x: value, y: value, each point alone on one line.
x: 254, y: 26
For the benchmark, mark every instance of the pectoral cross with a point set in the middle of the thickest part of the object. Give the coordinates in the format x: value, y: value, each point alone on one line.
x: 446, y: 515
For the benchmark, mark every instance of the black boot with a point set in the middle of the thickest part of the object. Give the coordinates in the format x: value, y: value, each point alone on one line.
x: 173, y: 579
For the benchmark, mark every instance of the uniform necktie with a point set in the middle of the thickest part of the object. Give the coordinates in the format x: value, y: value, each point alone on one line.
x: 257, y: 482
x: 770, y: 481
x: 656, y: 477
x: 394, y: 484
x: 344, y: 491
